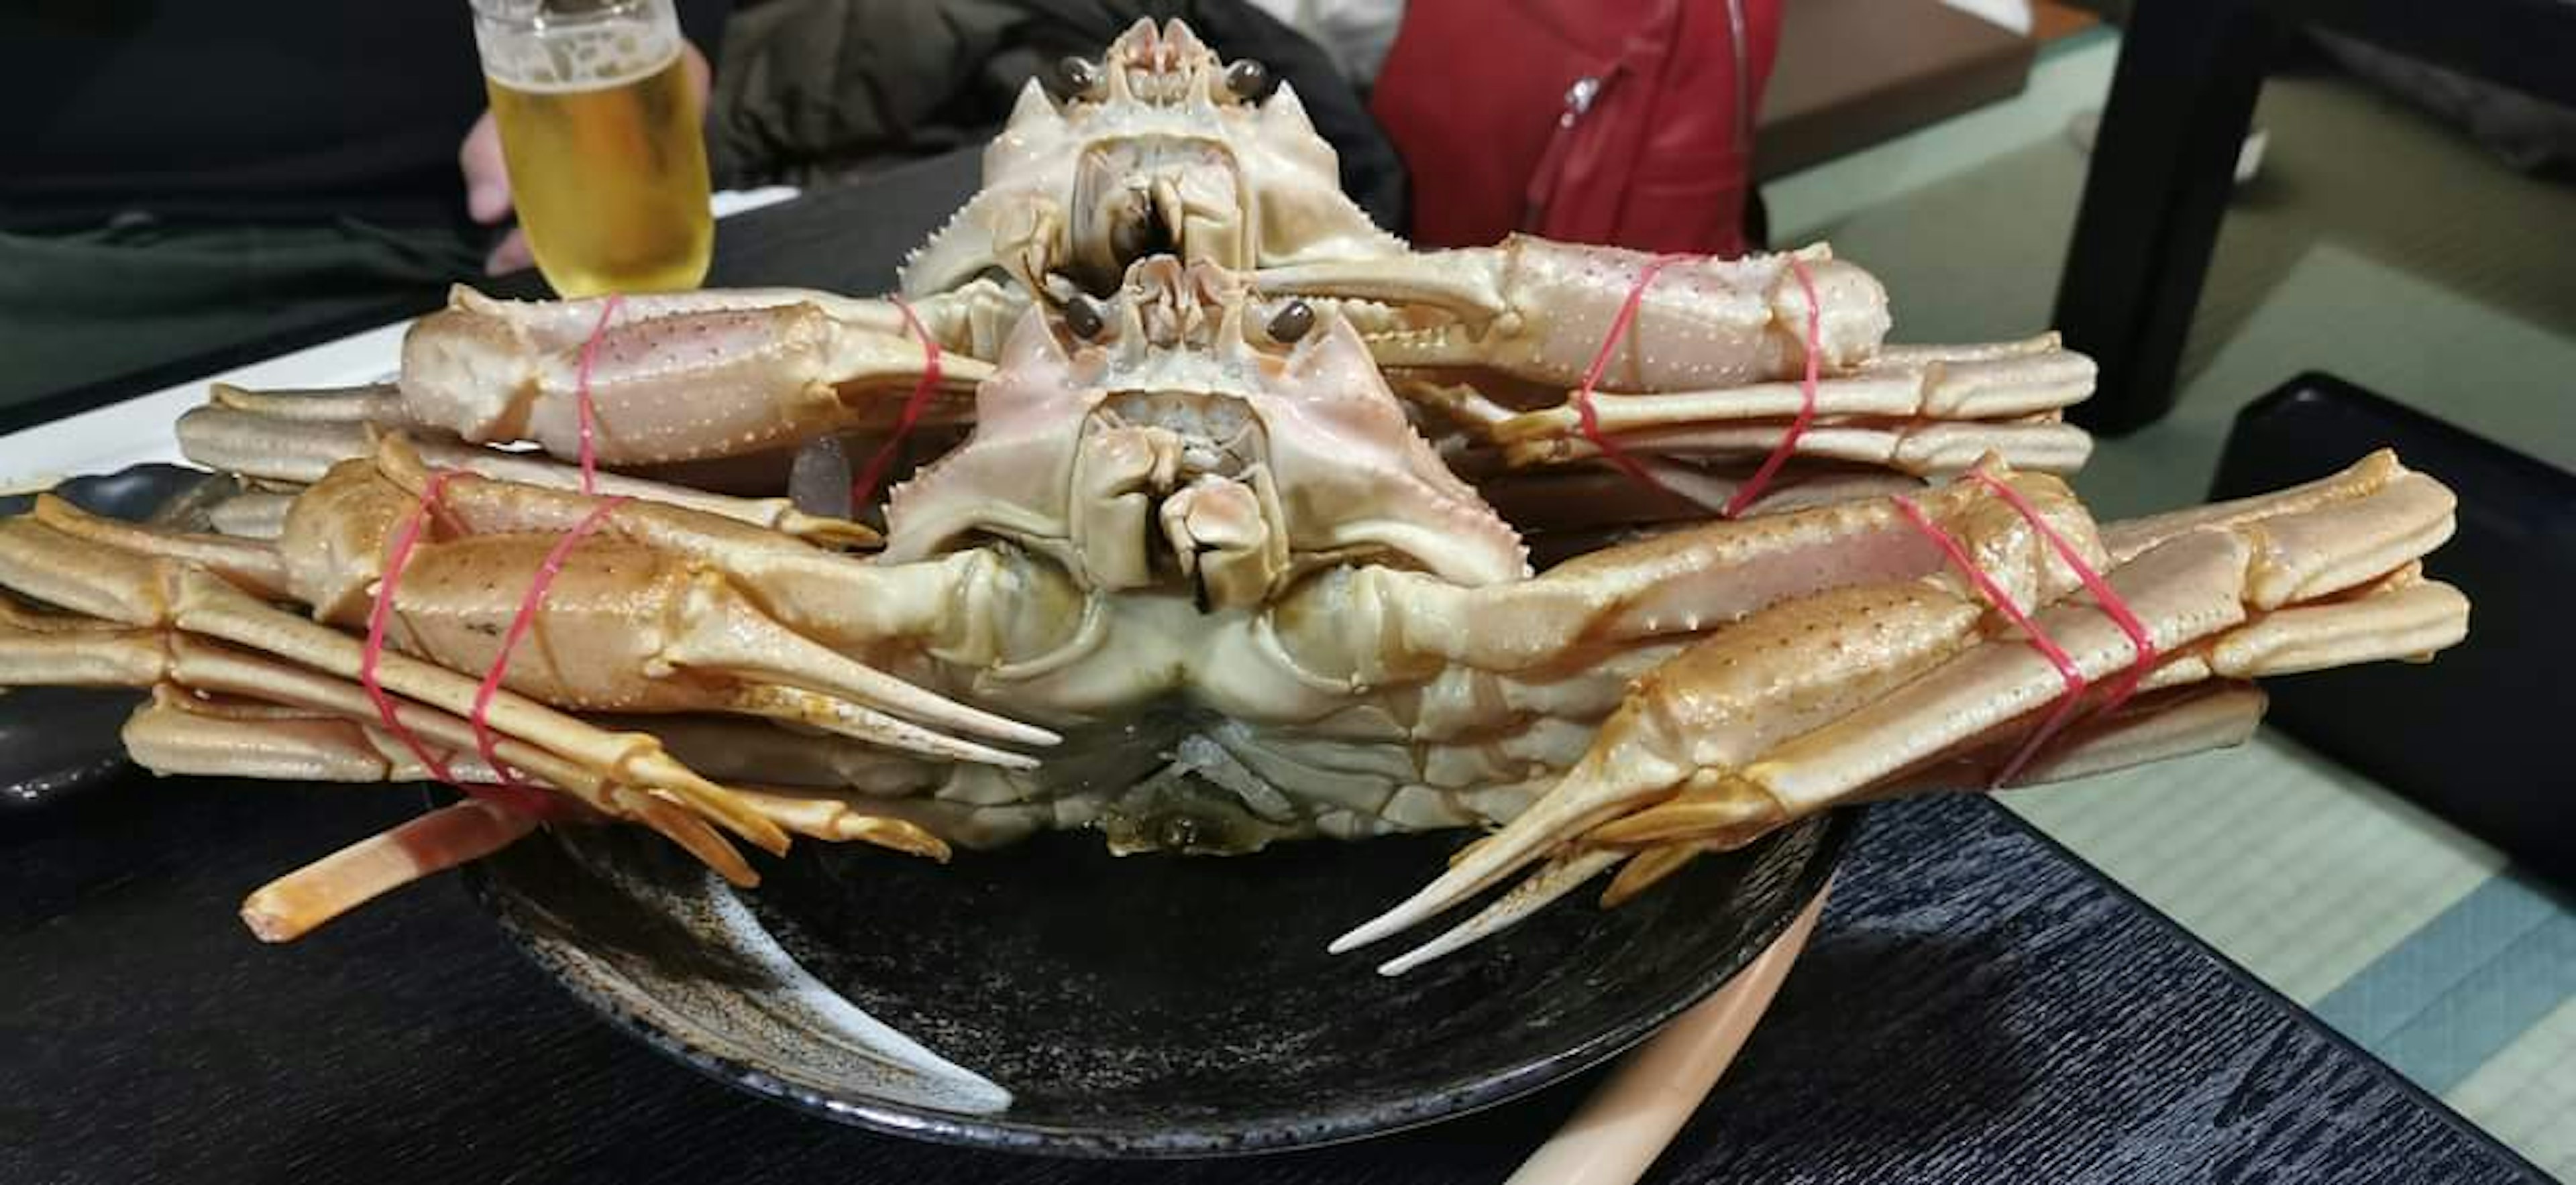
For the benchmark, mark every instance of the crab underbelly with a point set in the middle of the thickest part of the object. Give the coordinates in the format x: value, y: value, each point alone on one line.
x: 1189, y: 729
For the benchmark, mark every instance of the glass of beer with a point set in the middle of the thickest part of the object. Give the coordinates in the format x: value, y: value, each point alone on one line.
x: 608, y: 165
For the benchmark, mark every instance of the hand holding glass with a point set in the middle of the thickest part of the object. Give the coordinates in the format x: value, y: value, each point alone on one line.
x: 600, y: 128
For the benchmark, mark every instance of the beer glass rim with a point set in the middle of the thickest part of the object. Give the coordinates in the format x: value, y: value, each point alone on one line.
x: 532, y: 16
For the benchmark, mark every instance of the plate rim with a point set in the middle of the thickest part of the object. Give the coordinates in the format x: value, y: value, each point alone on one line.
x: 997, y: 1133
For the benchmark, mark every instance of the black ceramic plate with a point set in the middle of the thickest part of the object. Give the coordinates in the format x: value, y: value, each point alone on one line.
x: 56, y: 741
x: 1054, y: 998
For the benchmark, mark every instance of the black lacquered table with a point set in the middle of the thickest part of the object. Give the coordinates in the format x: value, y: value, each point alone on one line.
x: 1977, y: 1006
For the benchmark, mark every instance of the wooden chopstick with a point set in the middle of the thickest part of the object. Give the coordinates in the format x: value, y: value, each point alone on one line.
x: 1626, y: 1124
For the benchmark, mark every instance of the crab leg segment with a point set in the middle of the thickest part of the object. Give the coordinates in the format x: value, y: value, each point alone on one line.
x: 1539, y: 310
x: 1784, y: 714
x: 674, y: 378
x: 272, y: 721
x: 286, y: 721
x: 256, y: 516
x: 1997, y: 382
x: 1921, y: 449
x: 638, y: 615
x: 2170, y: 725
x: 1684, y: 582
x: 291, y: 906
x: 969, y: 607
x: 1930, y: 413
x: 284, y: 449
x: 251, y: 565
x: 160, y: 594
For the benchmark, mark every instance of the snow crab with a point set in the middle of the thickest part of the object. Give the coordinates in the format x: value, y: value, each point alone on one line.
x: 1193, y: 578
x: 1214, y: 527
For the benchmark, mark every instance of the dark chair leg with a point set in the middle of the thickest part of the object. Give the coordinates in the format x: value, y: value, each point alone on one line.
x: 2163, y: 163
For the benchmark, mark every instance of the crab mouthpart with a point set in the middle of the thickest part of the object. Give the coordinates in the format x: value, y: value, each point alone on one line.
x: 1134, y: 199
x: 1188, y: 473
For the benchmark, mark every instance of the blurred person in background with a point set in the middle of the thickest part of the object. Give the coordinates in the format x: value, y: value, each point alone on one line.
x: 188, y: 174
x: 197, y: 175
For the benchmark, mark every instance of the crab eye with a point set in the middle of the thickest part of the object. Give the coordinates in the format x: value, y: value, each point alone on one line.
x: 1077, y: 75
x: 1085, y: 317
x: 1291, y: 322
x: 1247, y: 78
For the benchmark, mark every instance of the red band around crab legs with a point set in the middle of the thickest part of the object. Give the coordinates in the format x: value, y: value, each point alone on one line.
x: 547, y: 570
x: 513, y: 791
x: 2142, y: 646
x: 1788, y: 446
x: 1588, y: 421
x: 2103, y: 595
x: 581, y: 395
x: 379, y: 615
x: 864, y: 490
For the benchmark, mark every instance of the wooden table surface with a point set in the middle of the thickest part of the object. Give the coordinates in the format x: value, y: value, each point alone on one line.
x: 1977, y: 1006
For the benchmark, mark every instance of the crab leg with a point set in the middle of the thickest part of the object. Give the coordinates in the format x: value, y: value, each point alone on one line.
x: 673, y: 377
x: 255, y: 567
x: 1725, y: 338
x: 1757, y: 726
x: 651, y: 631
x: 1910, y: 727
x: 1918, y: 448
x: 1539, y: 310
x: 291, y: 906
x: 256, y: 515
x: 281, y: 448
x: 1925, y: 414
x: 1998, y: 382
x: 673, y: 386
x: 182, y: 732
x: 1378, y: 625
x: 835, y: 817
x: 280, y: 721
x: 2150, y: 728
x: 206, y: 667
x: 2177, y: 723
x: 839, y: 600
x: 287, y: 722
x: 216, y: 746
x: 637, y: 614
x: 151, y: 593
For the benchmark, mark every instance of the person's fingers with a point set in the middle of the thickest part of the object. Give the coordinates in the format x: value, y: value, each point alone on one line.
x: 487, y: 176
x: 487, y: 173
x: 512, y: 255
x: 701, y: 76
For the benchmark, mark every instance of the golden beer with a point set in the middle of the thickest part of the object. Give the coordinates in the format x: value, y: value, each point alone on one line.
x: 601, y: 131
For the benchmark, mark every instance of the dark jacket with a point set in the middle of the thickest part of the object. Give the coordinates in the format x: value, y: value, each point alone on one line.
x: 809, y: 90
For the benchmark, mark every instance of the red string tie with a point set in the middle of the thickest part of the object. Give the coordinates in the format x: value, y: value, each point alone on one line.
x: 2039, y: 640
x: 1788, y: 446
x: 581, y: 391
x: 863, y: 491
x: 547, y: 571
x: 2141, y: 645
x: 379, y: 615
x: 1588, y: 420
x: 513, y: 791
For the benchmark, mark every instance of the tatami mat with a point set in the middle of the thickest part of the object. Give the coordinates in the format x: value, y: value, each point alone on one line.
x: 2388, y: 250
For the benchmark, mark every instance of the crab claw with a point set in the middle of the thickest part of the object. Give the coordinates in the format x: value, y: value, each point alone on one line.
x: 1872, y: 690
